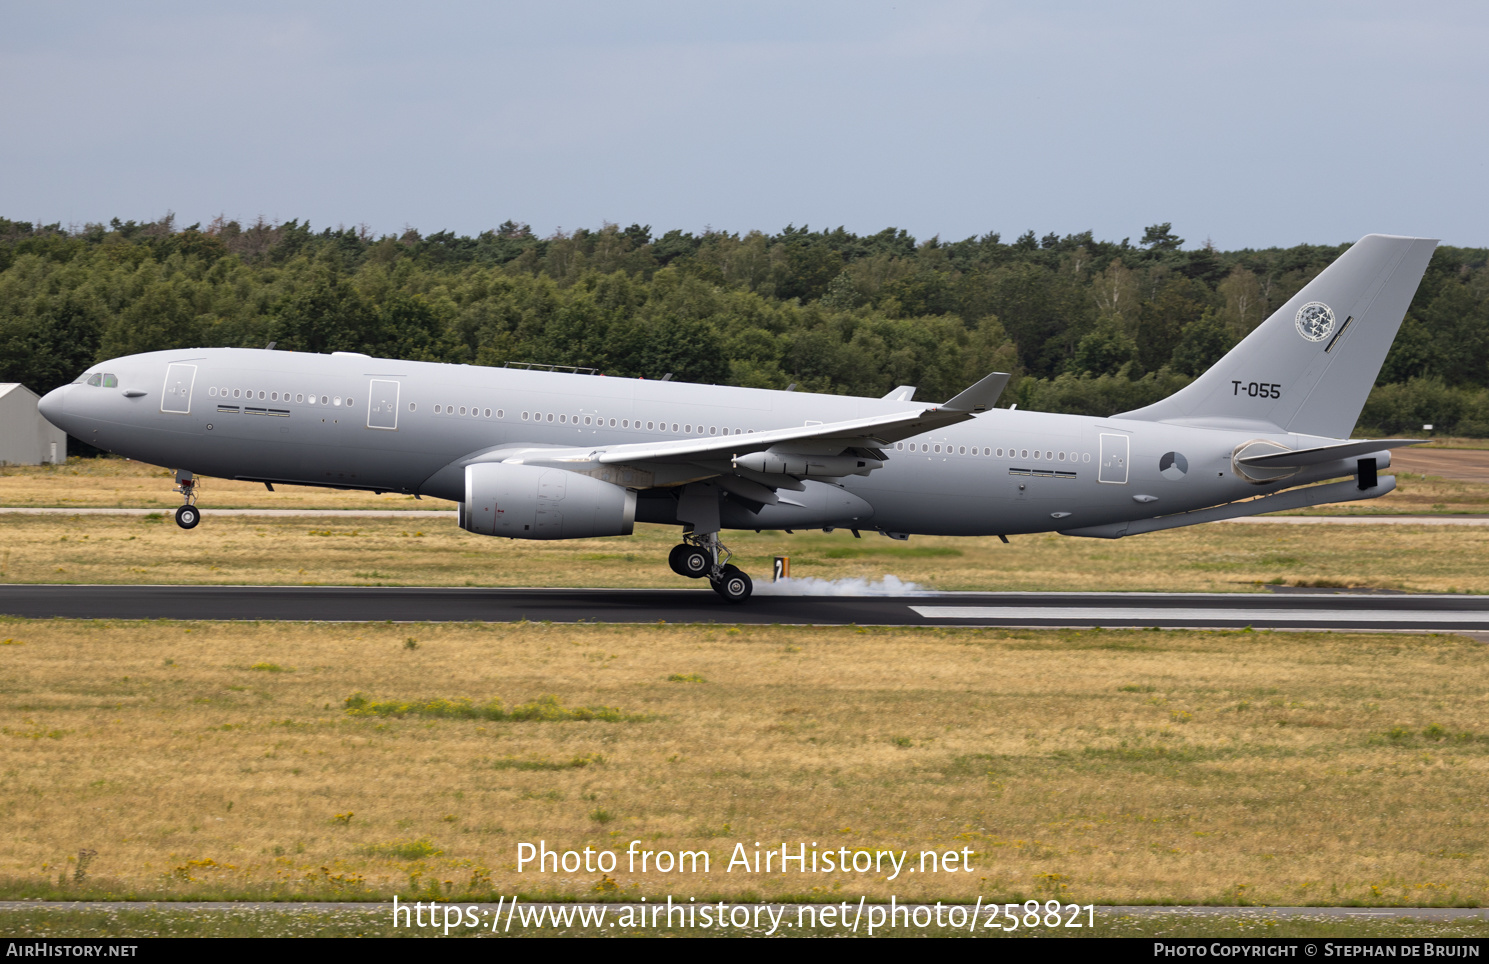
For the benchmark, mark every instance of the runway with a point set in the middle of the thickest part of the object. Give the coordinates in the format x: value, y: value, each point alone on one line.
x: 1312, y: 611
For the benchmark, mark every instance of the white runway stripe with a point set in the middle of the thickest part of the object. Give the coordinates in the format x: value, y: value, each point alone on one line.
x: 1198, y: 617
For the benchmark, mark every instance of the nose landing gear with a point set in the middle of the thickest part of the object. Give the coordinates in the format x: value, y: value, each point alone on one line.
x: 705, y: 555
x: 188, y: 515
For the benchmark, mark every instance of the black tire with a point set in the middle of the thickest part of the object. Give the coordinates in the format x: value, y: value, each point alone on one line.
x: 674, y: 558
x: 691, y: 562
x: 734, y: 585
x: 188, y: 516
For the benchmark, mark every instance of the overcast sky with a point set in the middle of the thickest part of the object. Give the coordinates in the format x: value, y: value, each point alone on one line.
x: 1253, y: 124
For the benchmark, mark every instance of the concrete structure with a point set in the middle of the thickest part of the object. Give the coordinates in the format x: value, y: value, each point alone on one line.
x: 25, y: 437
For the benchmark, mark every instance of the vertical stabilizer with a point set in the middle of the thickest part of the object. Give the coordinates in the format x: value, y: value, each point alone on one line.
x: 1309, y: 367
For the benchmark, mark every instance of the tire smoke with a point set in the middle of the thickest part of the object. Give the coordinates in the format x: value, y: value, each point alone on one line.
x: 811, y: 586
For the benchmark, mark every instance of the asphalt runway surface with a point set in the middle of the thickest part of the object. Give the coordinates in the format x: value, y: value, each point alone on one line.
x: 1312, y: 611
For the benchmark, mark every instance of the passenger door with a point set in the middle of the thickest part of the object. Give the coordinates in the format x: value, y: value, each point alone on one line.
x: 1114, y: 454
x: 176, y: 396
x: 382, y: 408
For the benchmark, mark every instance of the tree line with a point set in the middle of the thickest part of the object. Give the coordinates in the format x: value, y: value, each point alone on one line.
x: 1086, y: 326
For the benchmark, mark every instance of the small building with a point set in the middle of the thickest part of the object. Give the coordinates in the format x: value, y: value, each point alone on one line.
x: 25, y: 437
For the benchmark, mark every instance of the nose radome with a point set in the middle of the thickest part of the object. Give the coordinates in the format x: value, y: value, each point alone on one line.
x: 52, y: 405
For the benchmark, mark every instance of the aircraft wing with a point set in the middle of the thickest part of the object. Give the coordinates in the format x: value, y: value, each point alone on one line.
x: 874, y: 430
x: 679, y: 461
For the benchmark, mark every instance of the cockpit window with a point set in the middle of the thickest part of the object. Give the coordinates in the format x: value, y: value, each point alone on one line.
x: 96, y: 379
x: 109, y: 381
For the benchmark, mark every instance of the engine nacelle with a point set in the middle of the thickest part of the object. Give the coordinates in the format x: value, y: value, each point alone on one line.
x: 533, y: 502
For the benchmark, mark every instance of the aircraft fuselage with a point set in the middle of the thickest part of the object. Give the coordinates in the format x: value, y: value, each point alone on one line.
x: 358, y: 422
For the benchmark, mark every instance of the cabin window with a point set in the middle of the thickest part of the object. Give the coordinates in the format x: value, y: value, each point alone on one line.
x: 236, y: 393
x: 899, y: 446
x: 1024, y: 453
x: 413, y: 407
x: 674, y: 426
x: 211, y: 391
x: 348, y: 401
x: 462, y: 410
x: 488, y: 413
x: 612, y: 423
x: 524, y: 416
x: 688, y: 429
x: 299, y: 396
x: 648, y: 425
x: 987, y: 451
x: 1000, y: 453
x: 499, y: 413
x: 325, y: 400
x: 1062, y: 456
x: 586, y: 420
x: 335, y: 401
x: 550, y: 416
x: 563, y: 419
x: 1086, y: 457
x: 961, y: 450
x: 262, y: 395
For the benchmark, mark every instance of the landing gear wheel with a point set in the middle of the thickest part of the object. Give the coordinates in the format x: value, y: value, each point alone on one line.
x: 674, y: 559
x: 689, y: 561
x: 188, y: 516
x: 733, y: 584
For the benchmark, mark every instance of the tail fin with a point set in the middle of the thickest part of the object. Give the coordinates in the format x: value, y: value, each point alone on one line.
x: 1309, y: 367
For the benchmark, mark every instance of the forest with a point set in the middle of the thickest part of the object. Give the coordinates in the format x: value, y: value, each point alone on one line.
x: 1086, y: 326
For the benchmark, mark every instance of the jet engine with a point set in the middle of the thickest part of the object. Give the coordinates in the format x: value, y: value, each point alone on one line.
x: 534, y: 502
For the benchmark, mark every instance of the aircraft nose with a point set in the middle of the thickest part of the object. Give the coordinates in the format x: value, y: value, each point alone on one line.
x: 53, y: 404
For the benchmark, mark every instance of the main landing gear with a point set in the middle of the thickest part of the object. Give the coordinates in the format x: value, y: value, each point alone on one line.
x: 188, y: 515
x: 705, y: 555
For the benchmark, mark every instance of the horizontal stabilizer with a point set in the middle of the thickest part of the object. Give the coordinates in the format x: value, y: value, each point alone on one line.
x: 904, y: 393
x: 1327, y: 453
x: 1348, y: 491
x: 981, y: 396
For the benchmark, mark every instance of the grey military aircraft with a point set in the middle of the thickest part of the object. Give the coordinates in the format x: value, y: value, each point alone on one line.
x: 531, y: 454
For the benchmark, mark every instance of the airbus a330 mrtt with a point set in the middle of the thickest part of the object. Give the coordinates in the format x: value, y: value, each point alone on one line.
x: 550, y: 455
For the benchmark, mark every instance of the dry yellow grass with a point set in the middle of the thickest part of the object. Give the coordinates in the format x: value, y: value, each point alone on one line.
x: 435, y: 552
x: 217, y: 759
x: 108, y: 483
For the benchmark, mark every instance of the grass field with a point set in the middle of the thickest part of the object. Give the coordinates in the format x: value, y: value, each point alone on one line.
x: 435, y: 552
x: 247, y: 760
x: 110, y: 922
